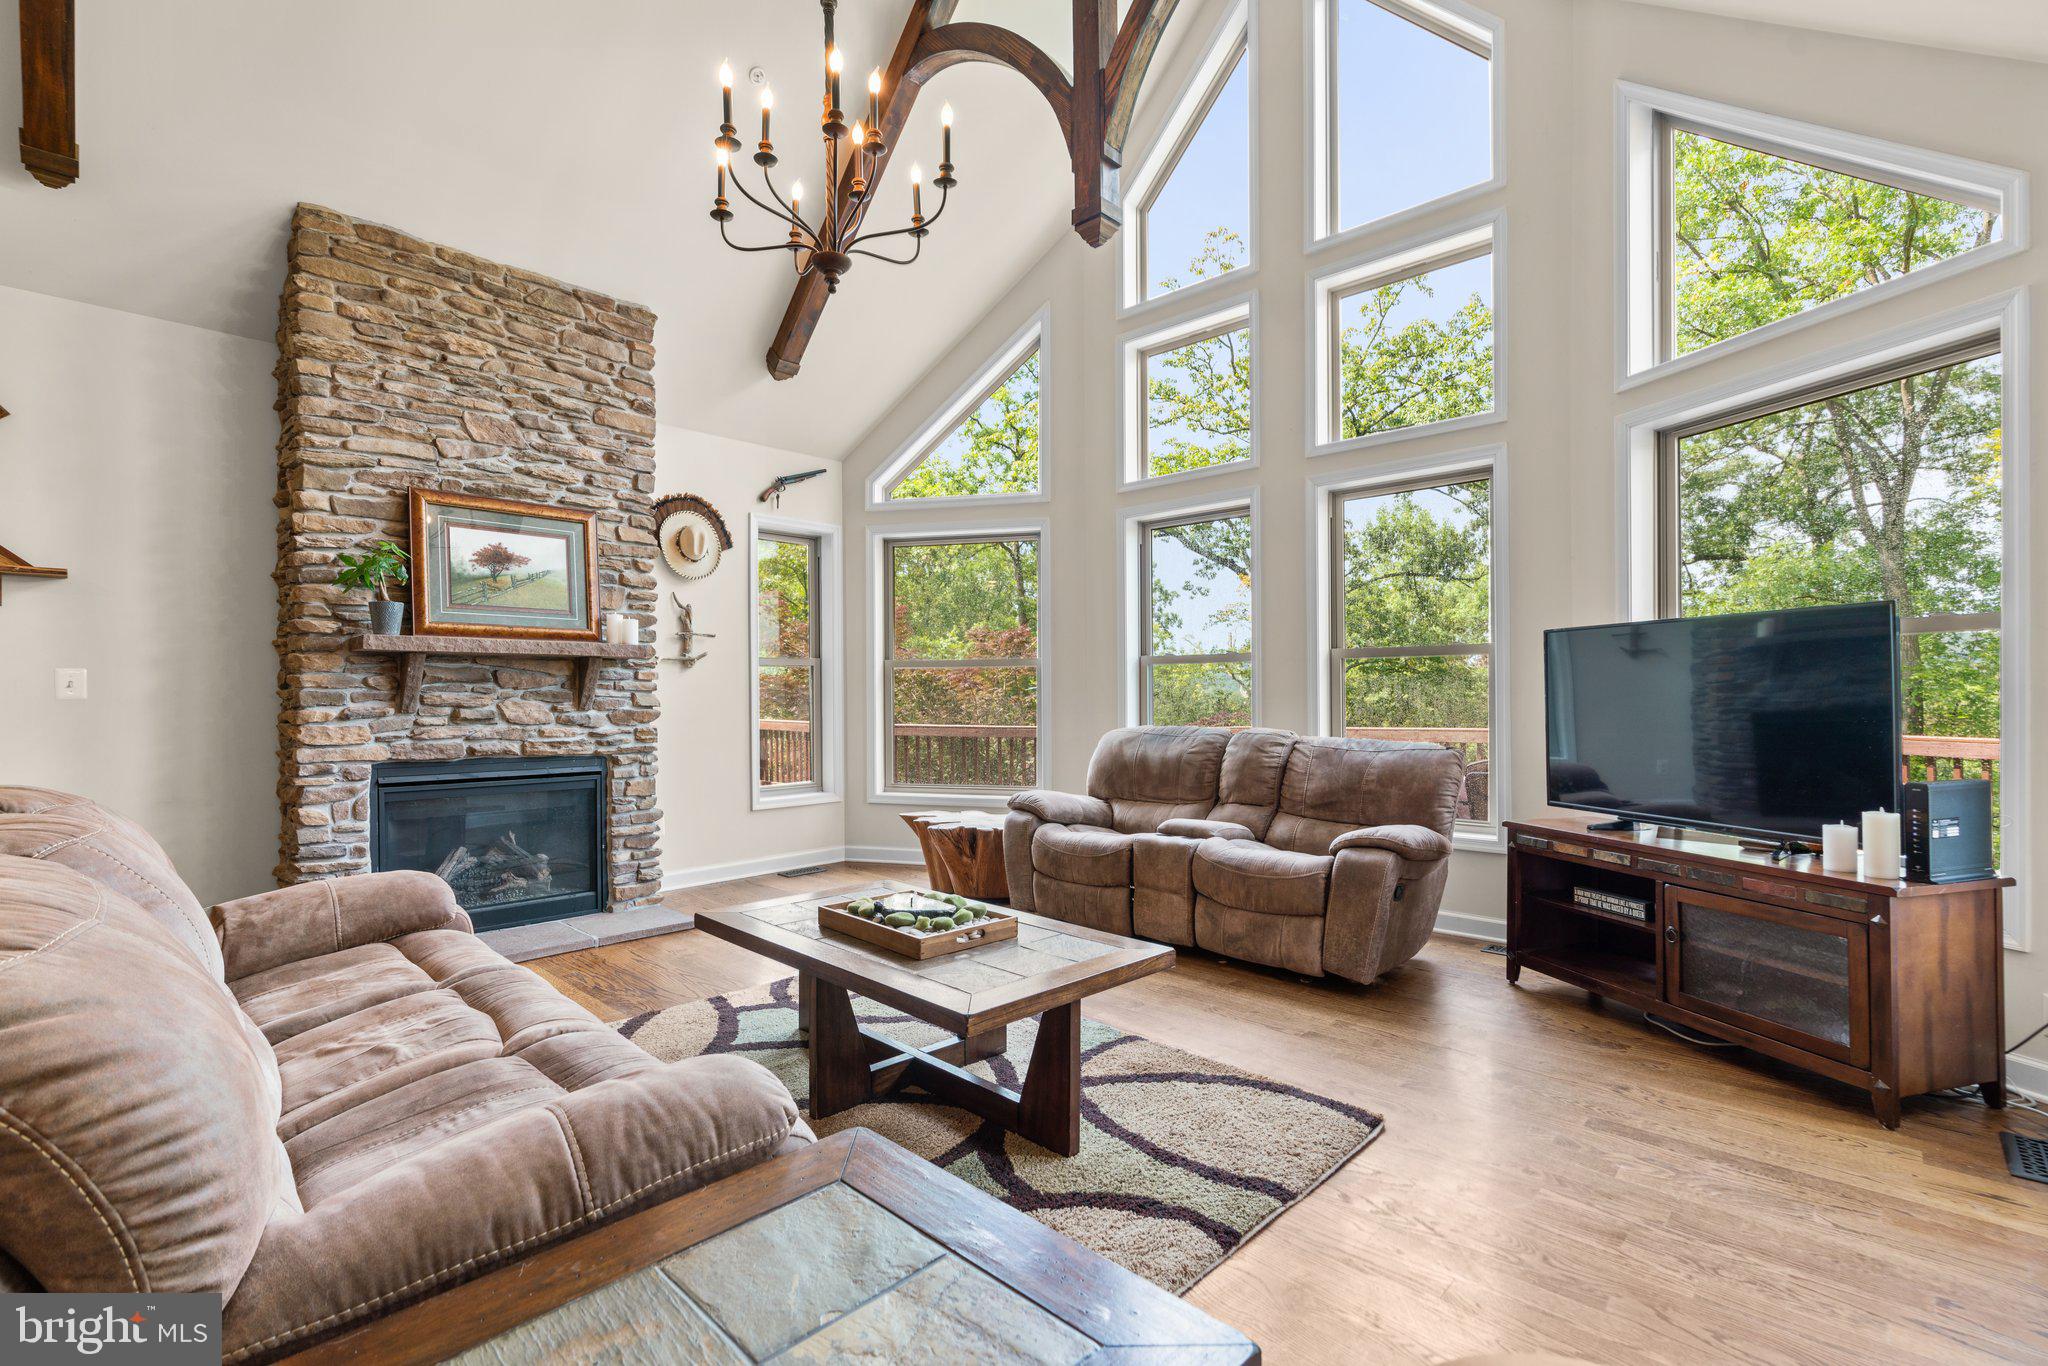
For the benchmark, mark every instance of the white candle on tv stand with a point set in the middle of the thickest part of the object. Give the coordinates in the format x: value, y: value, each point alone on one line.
x: 1838, y: 848
x: 1881, y: 845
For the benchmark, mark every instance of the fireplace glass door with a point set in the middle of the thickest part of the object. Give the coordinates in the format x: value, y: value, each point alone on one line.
x: 517, y: 840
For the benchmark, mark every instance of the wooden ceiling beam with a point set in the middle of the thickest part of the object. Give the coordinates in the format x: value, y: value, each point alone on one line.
x: 1093, y: 109
x: 49, y: 91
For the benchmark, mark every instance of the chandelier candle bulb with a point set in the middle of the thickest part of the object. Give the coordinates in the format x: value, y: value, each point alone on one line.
x: 1881, y: 845
x: 833, y: 63
x: 916, y: 191
x: 1838, y: 848
x: 946, y: 133
x: 767, y: 106
x: 725, y: 80
x: 874, y: 98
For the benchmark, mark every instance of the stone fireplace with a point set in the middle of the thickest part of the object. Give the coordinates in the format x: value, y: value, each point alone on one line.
x: 405, y: 364
x: 518, y: 840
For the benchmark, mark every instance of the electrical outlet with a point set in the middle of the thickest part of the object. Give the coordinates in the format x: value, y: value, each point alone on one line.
x: 71, y: 685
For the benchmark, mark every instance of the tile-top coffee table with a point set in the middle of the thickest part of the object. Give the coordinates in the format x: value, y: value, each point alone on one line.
x: 973, y: 995
x: 848, y: 1250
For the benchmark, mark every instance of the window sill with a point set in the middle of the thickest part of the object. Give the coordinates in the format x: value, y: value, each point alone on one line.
x: 1144, y: 483
x: 1195, y: 292
x: 1491, y: 840
x: 773, y: 801
x: 1421, y: 431
x: 995, y: 801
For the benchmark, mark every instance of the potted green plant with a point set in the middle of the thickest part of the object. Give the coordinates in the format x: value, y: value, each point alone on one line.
x: 376, y: 570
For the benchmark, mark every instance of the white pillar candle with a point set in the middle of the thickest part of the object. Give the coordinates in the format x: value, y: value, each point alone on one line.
x: 1881, y: 845
x: 629, y: 630
x: 1838, y: 848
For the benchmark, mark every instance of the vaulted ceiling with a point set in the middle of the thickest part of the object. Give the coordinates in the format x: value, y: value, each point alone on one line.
x: 574, y: 139
x: 571, y: 139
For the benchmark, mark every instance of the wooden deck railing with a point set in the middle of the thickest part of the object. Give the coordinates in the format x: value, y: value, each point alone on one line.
x: 926, y: 755
x: 1007, y: 756
x: 1931, y: 758
x: 786, y: 752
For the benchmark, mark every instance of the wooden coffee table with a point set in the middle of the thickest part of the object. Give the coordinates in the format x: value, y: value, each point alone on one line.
x: 974, y: 995
x: 849, y: 1249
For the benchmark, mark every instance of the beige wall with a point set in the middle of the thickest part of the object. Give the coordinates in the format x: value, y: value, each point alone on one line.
x: 709, y: 829
x: 141, y: 456
x: 1563, y: 58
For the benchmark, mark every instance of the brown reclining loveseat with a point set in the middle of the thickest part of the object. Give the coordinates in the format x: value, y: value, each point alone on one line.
x: 320, y: 1102
x: 1314, y: 855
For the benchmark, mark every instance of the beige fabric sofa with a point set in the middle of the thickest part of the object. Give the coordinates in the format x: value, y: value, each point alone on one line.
x: 1314, y: 855
x: 321, y: 1102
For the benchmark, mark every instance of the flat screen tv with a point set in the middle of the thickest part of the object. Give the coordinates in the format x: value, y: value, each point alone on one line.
x: 1757, y: 723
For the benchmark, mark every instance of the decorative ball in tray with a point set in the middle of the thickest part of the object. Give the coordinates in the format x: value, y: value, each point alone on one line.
x: 918, y: 924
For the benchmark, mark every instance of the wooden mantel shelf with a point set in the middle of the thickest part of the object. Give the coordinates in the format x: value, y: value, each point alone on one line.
x: 589, y: 656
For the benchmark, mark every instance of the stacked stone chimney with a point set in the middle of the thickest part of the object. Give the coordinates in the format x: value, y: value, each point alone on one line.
x: 403, y: 364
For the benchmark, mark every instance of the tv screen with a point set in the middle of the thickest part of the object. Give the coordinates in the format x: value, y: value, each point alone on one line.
x: 1762, y: 723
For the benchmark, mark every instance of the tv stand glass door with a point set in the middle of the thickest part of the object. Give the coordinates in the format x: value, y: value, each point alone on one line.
x: 1791, y: 975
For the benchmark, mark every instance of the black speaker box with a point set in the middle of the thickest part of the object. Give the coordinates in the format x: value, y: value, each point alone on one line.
x: 1946, y: 828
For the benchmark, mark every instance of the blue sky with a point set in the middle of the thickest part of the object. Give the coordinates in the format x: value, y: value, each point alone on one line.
x: 1414, y: 122
x: 1414, y: 115
x: 1214, y: 606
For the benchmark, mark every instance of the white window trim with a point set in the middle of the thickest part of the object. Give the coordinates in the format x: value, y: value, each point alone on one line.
x: 1490, y: 462
x: 831, y: 680
x: 1321, y: 233
x: 1635, y: 512
x: 1035, y: 333
x: 1238, y: 27
x: 1132, y: 524
x: 1395, y: 261
x: 1132, y: 403
x: 879, y: 538
x: 1638, y: 110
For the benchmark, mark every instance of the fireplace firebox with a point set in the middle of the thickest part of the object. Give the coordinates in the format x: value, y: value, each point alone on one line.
x: 519, y: 840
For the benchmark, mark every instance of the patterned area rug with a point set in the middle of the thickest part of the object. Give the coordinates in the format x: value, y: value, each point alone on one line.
x: 1182, y: 1158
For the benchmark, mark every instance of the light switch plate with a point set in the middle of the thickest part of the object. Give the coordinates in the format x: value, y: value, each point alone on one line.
x: 71, y: 685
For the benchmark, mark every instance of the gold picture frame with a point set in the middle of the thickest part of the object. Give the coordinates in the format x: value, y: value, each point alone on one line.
x: 500, y: 567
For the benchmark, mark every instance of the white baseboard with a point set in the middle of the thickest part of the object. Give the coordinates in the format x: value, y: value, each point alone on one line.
x: 1471, y: 926
x: 677, y: 878
x: 2027, y: 1076
x: 882, y: 853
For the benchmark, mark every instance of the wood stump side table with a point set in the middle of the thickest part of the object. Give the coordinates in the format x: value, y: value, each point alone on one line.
x: 963, y: 852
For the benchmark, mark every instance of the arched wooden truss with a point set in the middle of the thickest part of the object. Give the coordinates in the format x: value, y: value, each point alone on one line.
x: 1093, y: 109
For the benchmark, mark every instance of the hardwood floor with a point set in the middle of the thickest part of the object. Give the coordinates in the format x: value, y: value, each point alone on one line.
x: 1555, y: 1175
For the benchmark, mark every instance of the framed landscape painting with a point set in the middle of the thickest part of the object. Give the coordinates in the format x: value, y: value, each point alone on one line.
x: 495, y: 567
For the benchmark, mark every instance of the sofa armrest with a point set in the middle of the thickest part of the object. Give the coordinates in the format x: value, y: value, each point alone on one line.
x: 308, y: 919
x: 1416, y: 843
x: 1063, y: 808
x: 489, y: 1193
x: 1189, y: 829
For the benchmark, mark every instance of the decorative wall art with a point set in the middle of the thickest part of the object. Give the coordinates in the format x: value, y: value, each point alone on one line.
x: 692, y: 534
x: 495, y: 567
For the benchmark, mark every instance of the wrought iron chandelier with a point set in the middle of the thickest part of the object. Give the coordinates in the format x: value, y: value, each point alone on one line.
x: 829, y: 246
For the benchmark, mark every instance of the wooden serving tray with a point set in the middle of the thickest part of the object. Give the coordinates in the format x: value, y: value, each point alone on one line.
x: 834, y: 916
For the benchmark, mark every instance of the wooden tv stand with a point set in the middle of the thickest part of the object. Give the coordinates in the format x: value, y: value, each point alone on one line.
x: 1894, y: 987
